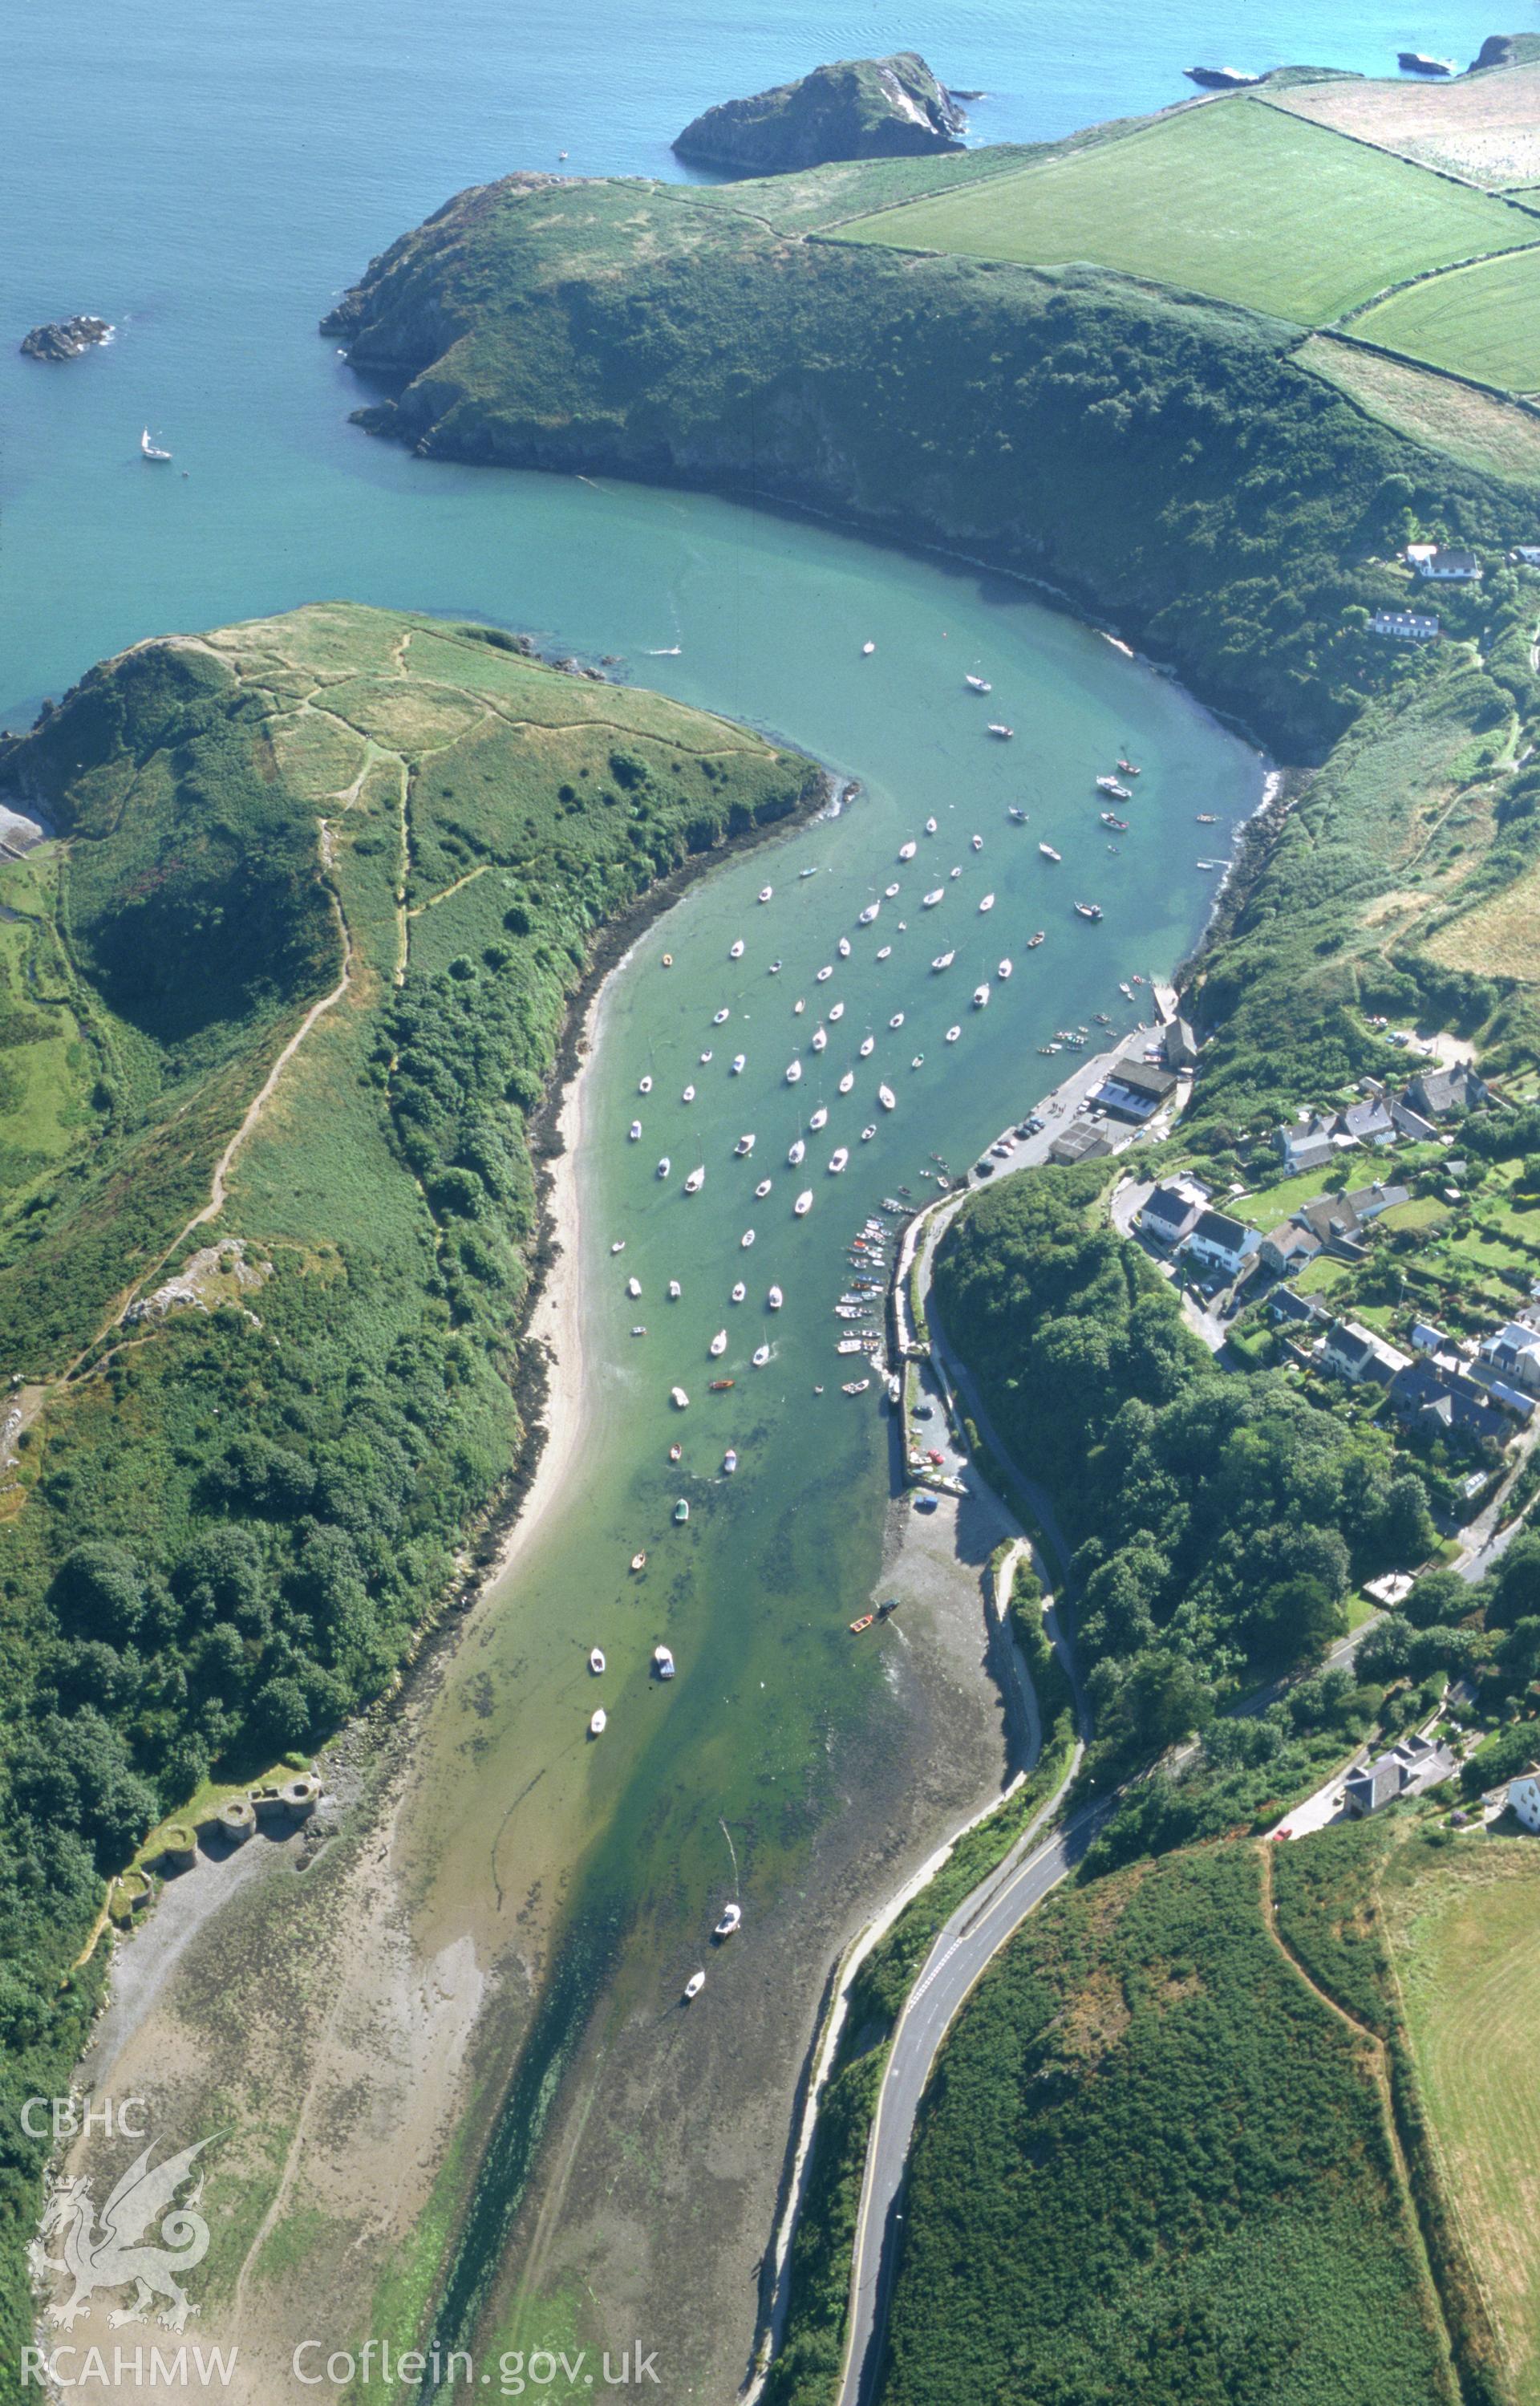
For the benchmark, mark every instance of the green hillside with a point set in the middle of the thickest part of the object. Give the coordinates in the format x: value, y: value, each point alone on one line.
x: 223, y: 1517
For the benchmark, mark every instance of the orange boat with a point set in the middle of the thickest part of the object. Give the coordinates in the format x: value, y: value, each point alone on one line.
x: 865, y: 1622
x: 720, y: 1386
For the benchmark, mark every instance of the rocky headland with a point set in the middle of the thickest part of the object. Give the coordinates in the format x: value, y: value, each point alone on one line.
x: 856, y: 109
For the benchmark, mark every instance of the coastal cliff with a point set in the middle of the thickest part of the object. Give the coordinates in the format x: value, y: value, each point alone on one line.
x: 854, y: 108
x: 1159, y: 457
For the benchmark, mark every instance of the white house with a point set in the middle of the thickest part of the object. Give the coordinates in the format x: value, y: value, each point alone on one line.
x: 1170, y: 1212
x: 1406, y: 626
x: 1356, y: 1353
x: 1524, y: 1796
x: 1529, y: 553
x: 1445, y: 564
x: 1514, y: 1353
x: 1220, y: 1243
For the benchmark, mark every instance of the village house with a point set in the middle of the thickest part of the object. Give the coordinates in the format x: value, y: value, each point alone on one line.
x: 1415, y: 1764
x: 1368, y: 1202
x: 1288, y: 1248
x: 1170, y: 1212
x: 1307, y: 1142
x: 1286, y: 1303
x: 1357, y: 1354
x: 1334, y: 1223
x: 1514, y: 1353
x: 1368, y: 1123
x: 1524, y: 1796
x: 1406, y: 626
x: 1220, y: 1243
x: 1443, y: 1399
x: 1413, y: 1126
x: 1134, y: 1090
x: 1445, y: 564
x: 1179, y: 1045
x: 1428, y: 1339
x: 1529, y: 553
x: 1437, y: 1093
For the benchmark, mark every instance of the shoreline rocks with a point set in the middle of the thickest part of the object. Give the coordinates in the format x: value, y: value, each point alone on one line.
x: 65, y: 338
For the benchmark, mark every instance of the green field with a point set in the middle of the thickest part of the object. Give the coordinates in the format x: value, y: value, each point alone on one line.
x: 1466, y: 1943
x: 1497, y: 437
x: 1481, y: 321
x: 1232, y: 200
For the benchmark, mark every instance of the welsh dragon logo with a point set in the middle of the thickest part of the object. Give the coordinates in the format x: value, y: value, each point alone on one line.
x: 114, y: 2252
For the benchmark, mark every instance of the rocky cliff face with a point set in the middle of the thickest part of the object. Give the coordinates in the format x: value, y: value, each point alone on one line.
x: 857, y: 108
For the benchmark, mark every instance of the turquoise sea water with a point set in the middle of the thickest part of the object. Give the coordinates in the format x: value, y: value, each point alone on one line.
x: 209, y: 181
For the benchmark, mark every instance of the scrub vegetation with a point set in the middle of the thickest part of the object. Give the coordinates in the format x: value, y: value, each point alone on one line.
x: 224, y: 1517
x: 1154, y: 2164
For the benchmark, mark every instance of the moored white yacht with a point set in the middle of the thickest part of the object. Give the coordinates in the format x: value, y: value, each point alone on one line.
x: 888, y: 1100
x: 775, y: 1298
x: 735, y: 950
x: 662, y: 1662
x: 598, y: 1721
x: 981, y: 995
x: 696, y: 1180
x: 803, y: 1203
x: 732, y: 1919
x: 744, y: 1145
x: 718, y: 1344
x: 746, y: 1240
x: 820, y: 1117
x: 596, y: 1660
x: 797, y: 1151
x: 838, y: 1160
x: 636, y: 1131
x: 933, y: 897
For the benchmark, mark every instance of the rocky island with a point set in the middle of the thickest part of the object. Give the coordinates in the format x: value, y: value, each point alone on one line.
x: 856, y: 109
x: 65, y: 338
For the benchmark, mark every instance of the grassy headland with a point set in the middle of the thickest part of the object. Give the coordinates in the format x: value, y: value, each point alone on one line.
x: 225, y: 1519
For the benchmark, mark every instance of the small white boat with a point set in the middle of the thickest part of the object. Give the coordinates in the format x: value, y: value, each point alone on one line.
x: 732, y: 1919
x: 762, y: 1190
x: 897, y: 1020
x: 738, y: 1063
x: 1111, y: 785
x: 930, y: 826
x: 889, y: 891
x: 706, y: 1056
x: 697, y: 1980
x: 688, y: 1095
x: 868, y: 1132
x: 838, y: 1160
x: 869, y: 914
x: 682, y: 1510
x: 695, y: 1181
x: 918, y: 1062
x: 740, y: 1291
x: 662, y: 1662
x: 824, y: 974
x: 718, y: 1344
x: 998, y: 728
x: 866, y: 650
x: 643, y: 1085
x: 884, y: 952
x: 735, y: 951
x: 746, y: 1240
x: 955, y: 873
x: 1003, y: 970
x: 596, y: 1660
x: 847, y: 1082
x: 760, y: 1356
x: 744, y: 1146
x: 798, y: 1008
x: 618, y: 1246
x: 808, y: 872
x: 152, y: 451
x: 633, y: 1286
x: 636, y: 1131
x: 797, y: 1151
x: 842, y: 948
x: 729, y: 1462
x: 867, y: 1045
x: 933, y: 897
x: 679, y: 1399
x: 598, y: 1721
x: 981, y: 995
x: 978, y: 842
x: 765, y: 893
x: 723, y: 1014
x: 775, y: 1298
x: 1048, y: 852
x: 664, y: 1167
x: 803, y: 1203
x: 675, y: 1290
x: 820, y: 1038
x: 988, y: 902
x: 775, y: 969
x: 953, y: 1034
x: 943, y: 960
x: 888, y: 1100
x: 820, y: 1117
x: 976, y: 684
x: 837, y: 1010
